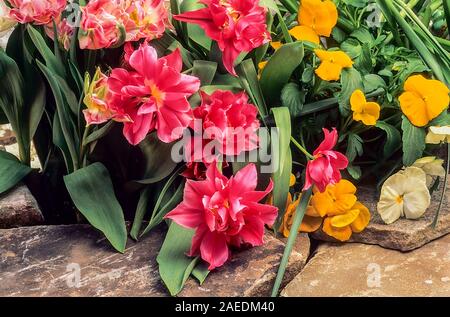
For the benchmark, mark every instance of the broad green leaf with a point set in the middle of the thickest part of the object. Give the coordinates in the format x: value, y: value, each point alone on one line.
x: 282, y: 160
x: 441, y: 120
x: 174, y: 266
x: 279, y: 70
x: 293, y: 98
x: 92, y: 192
x: 50, y: 59
x: 393, y: 138
x: 249, y: 81
x: 141, y: 210
x: 196, y: 33
x: 11, y: 171
x: 413, y: 142
x: 201, y: 272
x: 350, y: 80
x: 354, y: 147
x: 372, y: 82
x: 354, y: 171
x: 205, y: 71
x: 157, y: 156
x: 99, y: 133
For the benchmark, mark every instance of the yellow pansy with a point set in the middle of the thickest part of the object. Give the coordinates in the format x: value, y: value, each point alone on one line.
x: 423, y: 99
x: 438, y: 135
x: 404, y: 194
x: 304, y: 33
x: 366, y: 112
x: 319, y: 15
x: 332, y: 64
x: 341, y: 227
x: 311, y: 220
x: 335, y: 200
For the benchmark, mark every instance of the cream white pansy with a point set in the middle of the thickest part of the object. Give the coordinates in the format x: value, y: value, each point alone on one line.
x: 438, y: 135
x: 432, y: 166
x: 404, y: 194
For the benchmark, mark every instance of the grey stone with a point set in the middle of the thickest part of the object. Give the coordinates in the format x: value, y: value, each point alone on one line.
x: 369, y: 270
x: 18, y: 208
x: 44, y: 260
x: 404, y: 234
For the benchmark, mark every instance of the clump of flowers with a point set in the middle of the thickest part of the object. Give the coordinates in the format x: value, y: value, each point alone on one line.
x: 432, y: 166
x: 64, y: 30
x: 150, y: 95
x: 337, y: 210
x: 236, y: 25
x: 224, y: 212
x: 38, y: 12
x: 109, y: 23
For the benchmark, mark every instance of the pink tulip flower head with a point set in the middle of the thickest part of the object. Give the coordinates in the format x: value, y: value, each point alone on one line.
x: 224, y: 212
x: 237, y: 26
x: 153, y: 94
x: 39, y: 12
x: 327, y: 164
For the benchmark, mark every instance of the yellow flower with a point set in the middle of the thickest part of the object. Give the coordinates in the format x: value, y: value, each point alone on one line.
x: 332, y: 64
x: 423, y: 99
x: 304, y: 33
x: 276, y: 45
x: 342, y: 226
x: 343, y: 213
x: 432, y: 166
x: 367, y: 112
x: 404, y: 194
x: 438, y: 135
x: 319, y: 15
x: 311, y: 221
x: 335, y: 200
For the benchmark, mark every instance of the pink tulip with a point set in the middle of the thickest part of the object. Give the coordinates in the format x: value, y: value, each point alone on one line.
x: 224, y: 212
x: 101, y: 24
x: 39, y: 12
x: 237, y: 26
x: 64, y: 30
x: 326, y: 166
x: 153, y: 94
x: 147, y: 19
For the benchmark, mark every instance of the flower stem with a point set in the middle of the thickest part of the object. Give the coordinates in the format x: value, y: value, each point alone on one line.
x: 436, y: 218
x: 302, y: 149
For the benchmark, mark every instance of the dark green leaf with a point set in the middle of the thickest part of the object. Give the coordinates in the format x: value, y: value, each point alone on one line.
x: 293, y: 98
x: 279, y: 70
x: 249, y: 81
x: 413, y: 142
x: 11, y: 171
x: 350, y: 80
x: 92, y: 192
x: 393, y: 138
x: 205, y: 71
x: 174, y: 266
x: 354, y: 147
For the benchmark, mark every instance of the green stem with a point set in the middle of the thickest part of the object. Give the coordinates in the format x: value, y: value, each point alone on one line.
x: 290, y: 5
x: 436, y: 218
x: 84, y: 146
x: 302, y: 149
x: 298, y: 218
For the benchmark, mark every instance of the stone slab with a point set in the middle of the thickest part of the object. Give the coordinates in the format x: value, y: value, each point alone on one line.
x: 404, y: 234
x: 45, y: 260
x: 18, y: 208
x: 369, y: 270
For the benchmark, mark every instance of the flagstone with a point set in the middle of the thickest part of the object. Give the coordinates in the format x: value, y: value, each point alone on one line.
x: 76, y: 260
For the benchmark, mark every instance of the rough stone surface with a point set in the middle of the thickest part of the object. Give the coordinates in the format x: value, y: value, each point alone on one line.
x: 404, y: 234
x: 43, y: 260
x: 19, y: 208
x: 369, y: 270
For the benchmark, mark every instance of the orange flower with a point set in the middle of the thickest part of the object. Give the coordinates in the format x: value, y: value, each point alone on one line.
x: 332, y: 64
x: 319, y: 15
x: 423, y: 99
x: 311, y: 221
x: 367, y: 112
x: 304, y: 33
